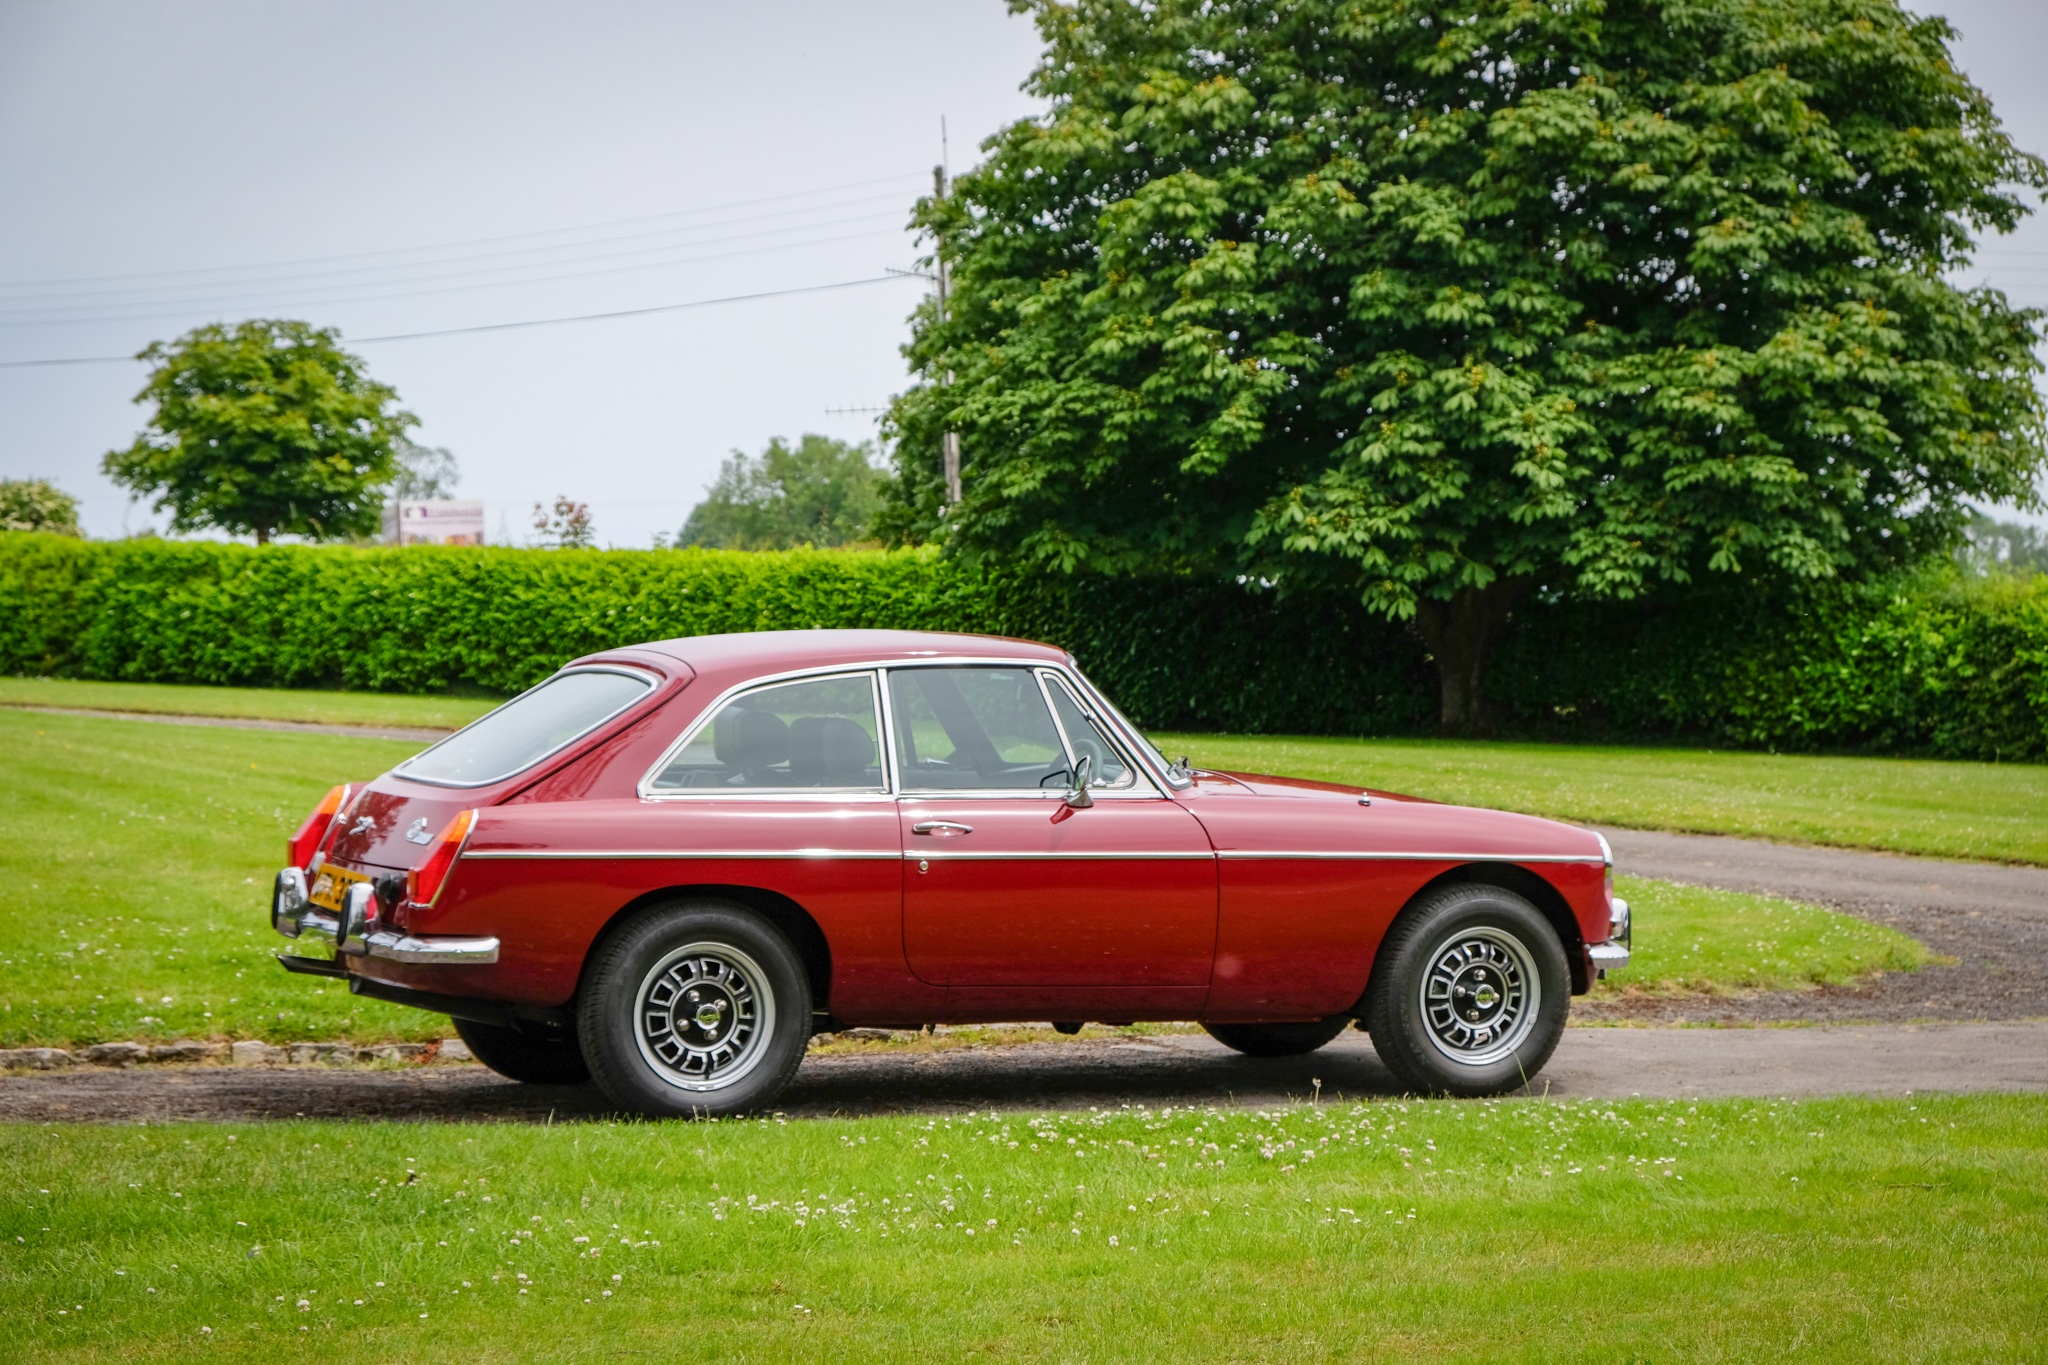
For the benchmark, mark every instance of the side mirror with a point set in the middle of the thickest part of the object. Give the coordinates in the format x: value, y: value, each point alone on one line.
x: 1078, y: 796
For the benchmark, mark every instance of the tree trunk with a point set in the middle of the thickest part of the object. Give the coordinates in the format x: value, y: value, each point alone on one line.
x: 1459, y: 632
x: 263, y: 535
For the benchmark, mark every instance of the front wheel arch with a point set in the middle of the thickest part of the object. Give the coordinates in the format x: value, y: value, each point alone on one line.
x: 1547, y: 899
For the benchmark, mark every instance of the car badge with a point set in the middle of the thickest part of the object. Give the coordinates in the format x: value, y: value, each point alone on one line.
x: 416, y: 832
x: 363, y: 825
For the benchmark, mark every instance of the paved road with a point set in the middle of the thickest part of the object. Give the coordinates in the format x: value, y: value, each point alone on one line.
x: 1177, y: 1069
x: 1992, y: 919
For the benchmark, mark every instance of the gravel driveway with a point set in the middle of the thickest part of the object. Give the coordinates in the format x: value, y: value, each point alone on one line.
x: 1992, y: 919
x: 1174, y: 1069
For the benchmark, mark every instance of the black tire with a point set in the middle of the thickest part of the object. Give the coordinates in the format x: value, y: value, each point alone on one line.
x: 1498, y: 993
x: 530, y: 1058
x: 1278, y: 1040
x: 751, y: 1011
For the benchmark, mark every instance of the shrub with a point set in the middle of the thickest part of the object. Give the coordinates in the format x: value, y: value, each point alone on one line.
x: 1943, y: 666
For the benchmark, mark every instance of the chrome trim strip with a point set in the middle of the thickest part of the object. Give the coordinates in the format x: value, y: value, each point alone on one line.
x: 509, y: 854
x: 1416, y: 856
x: 639, y: 672
x: 951, y: 856
x: 860, y: 854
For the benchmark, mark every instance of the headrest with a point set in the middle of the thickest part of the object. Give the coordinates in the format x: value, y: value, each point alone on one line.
x: 829, y: 751
x: 749, y: 740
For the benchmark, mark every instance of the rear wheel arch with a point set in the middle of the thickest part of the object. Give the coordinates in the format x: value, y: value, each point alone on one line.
x: 788, y: 918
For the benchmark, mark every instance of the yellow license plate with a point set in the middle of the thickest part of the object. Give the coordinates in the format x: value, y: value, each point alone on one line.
x: 330, y: 884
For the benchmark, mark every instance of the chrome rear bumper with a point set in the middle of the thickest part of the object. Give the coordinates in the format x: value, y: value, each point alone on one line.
x: 356, y: 933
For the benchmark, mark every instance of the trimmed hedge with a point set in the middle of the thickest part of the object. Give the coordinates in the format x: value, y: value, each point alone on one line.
x: 1941, y: 667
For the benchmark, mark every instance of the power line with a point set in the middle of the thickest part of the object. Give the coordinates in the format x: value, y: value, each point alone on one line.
x: 511, y: 326
x: 473, y: 241
x: 681, y: 237
x: 322, y: 294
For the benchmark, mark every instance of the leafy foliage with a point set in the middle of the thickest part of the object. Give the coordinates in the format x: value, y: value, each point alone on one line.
x: 1950, y: 668
x: 818, y: 492
x: 263, y: 428
x: 37, y: 505
x: 1443, y: 304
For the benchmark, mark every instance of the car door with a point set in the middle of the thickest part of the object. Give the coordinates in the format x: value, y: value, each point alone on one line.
x: 1005, y: 884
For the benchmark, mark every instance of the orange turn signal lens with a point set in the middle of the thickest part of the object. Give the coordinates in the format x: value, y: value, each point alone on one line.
x: 423, y: 883
x: 312, y: 835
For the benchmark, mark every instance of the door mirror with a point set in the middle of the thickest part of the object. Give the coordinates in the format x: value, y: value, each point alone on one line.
x: 1078, y: 796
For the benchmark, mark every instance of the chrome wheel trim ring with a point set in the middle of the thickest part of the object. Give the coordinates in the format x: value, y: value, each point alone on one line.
x: 1479, y: 996
x: 703, y: 1017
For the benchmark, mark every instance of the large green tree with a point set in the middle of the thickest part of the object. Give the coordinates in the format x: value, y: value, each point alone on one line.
x: 1448, y: 303
x: 817, y: 492
x: 263, y: 428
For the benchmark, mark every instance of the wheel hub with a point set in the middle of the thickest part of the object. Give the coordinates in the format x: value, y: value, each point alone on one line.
x: 703, y: 1016
x: 1479, y: 995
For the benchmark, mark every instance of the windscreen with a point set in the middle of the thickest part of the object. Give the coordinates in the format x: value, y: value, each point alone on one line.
x: 527, y: 729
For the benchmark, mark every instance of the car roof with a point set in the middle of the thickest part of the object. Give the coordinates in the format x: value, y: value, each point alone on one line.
x: 779, y: 651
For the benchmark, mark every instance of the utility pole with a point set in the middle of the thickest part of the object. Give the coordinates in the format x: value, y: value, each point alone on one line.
x: 950, y: 442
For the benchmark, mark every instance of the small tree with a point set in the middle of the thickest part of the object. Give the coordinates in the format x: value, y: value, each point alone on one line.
x: 818, y: 492
x: 37, y: 505
x: 424, y: 472
x: 565, y: 527
x: 1446, y: 303
x: 266, y: 428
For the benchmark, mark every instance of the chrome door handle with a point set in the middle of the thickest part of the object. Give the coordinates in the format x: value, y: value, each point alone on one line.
x: 944, y: 829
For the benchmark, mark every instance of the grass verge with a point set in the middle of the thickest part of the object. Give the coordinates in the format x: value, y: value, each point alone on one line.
x: 1948, y: 810
x: 251, y: 703
x: 1731, y: 1230
x: 1698, y: 939
x: 140, y: 858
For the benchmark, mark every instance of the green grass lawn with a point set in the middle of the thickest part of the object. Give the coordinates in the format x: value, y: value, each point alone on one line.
x: 1950, y: 810
x: 1732, y: 1230
x: 138, y: 860
x: 1702, y: 939
x: 255, y: 703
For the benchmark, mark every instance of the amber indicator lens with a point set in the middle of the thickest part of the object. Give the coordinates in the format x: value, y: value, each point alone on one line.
x: 423, y: 882
x: 312, y: 835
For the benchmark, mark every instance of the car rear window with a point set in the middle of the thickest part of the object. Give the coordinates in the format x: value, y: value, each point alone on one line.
x: 528, y: 728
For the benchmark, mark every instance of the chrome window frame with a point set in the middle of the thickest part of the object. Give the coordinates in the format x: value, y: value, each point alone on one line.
x: 1049, y: 678
x: 894, y: 791
x: 649, y: 676
x: 1161, y: 773
x: 877, y: 695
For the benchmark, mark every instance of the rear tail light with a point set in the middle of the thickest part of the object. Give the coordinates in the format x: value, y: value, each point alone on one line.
x: 313, y: 834
x: 423, y: 883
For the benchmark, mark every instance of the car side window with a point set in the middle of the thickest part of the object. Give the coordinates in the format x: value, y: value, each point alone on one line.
x: 974, y: 729
x: 818, y: 733
x: 1107, y: 768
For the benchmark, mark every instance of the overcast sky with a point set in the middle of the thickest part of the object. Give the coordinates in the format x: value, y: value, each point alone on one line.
x: 389, y: 168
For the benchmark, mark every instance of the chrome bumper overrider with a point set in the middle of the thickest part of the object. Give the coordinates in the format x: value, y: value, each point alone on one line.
x: 1612, y: 955
x: 355, y: 932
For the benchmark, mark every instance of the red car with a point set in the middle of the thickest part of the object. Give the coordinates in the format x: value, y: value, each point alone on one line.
x: 667, y: 866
